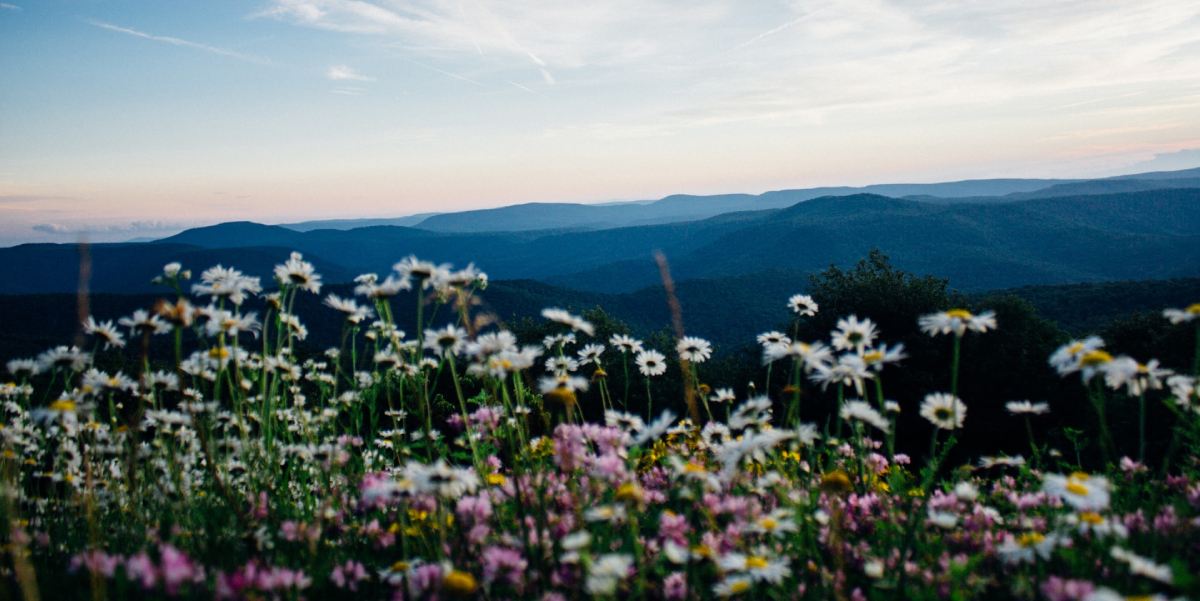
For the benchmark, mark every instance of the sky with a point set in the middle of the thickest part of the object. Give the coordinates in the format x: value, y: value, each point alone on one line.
x: 123, y: 119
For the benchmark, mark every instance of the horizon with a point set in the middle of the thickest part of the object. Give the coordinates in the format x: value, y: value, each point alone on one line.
x: 131, y: 120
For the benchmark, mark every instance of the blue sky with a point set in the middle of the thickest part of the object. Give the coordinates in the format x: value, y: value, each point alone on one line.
x: 136, y: 118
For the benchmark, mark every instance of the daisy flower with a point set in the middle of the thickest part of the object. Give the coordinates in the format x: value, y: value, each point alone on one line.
x: 945, y: 411
x: 449, y: 340
x: 813, y: 356
x: 957, y: 321
x: 1082, y: 491
x: 607, y: 572
x: 1068, y: 358
x: 1178, y: 316
x: 105, y: 332
x: 853, y: 334
x: 770, y: 339
x: 299, y: 273
x: 696, y: 350
x: 802, y: 304
x: 425, y: 272
x: 651, y: 363
x: 625, y: 344
x: 876, y: 358
x: 590, y: 354
x: 550, y: 342
x: 989, y: 462
x: 722, y: 395
x: 1026, y: 547
x: 1137, y: 378
x: 575, y: 322
x: 561, y: 365
x: 849, y: 370
x: 370, y: 286
x: 354, y: 313
x: 1027, y: 408
x: 755, y: 567
x: 221, y: 282
x: 1090, y: 522
x: 142, y: 322
x: 862, y: 411
x: 1142, y: 566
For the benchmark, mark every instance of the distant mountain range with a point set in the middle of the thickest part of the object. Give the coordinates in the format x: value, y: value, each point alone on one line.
x: 683, y: 207
x: 1132, y: 227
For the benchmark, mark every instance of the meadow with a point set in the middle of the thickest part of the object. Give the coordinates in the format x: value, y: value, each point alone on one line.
x: 464, y: 460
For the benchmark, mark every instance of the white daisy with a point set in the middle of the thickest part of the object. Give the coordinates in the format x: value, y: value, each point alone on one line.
x: 802, y: 304
x: 945, y: 411
x: 298, y: 272
x: 864, y: 412
x: 651, y: 363
x: 853, y: 334
x: 1082, y: 491
x: 1026, y: 408
x: 696, y: 350
x: 957, y: 321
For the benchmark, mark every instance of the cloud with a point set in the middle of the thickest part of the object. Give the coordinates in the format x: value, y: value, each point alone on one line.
x: 1167, y: 161
x: 179, y: 42
x: 342, y: 72
x: 29, y: 198
x: 133, y: 227
x: 10, y: 6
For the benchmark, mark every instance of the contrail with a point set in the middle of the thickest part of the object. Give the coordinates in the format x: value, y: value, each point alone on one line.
x: 179, y: 42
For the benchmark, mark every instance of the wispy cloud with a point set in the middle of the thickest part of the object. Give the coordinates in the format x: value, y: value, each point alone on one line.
x: 134, y: 227
x: 342, y: 72
x: 179, y: 42
x: 447, y: 73
x: 9, y: 6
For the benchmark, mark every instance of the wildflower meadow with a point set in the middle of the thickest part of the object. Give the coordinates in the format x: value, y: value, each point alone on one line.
x: 459, y: 461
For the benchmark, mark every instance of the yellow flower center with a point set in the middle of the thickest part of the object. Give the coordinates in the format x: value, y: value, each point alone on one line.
x: 1091, y: 517
x: 740, y: 586
x: 1095, y: 358
x: 1076, y: 488
x: 218, y: 353
x: 400, y: 566
x: 873, y: 356
x: 768, y: 524
x: 755, y: 563
x: 1194, y: 309
x: 694, y: 468
x: 496, y: 479
x: 959, y: 313
x: 459, y: 583
x: 62, y: 405
x: 1030, y: 538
